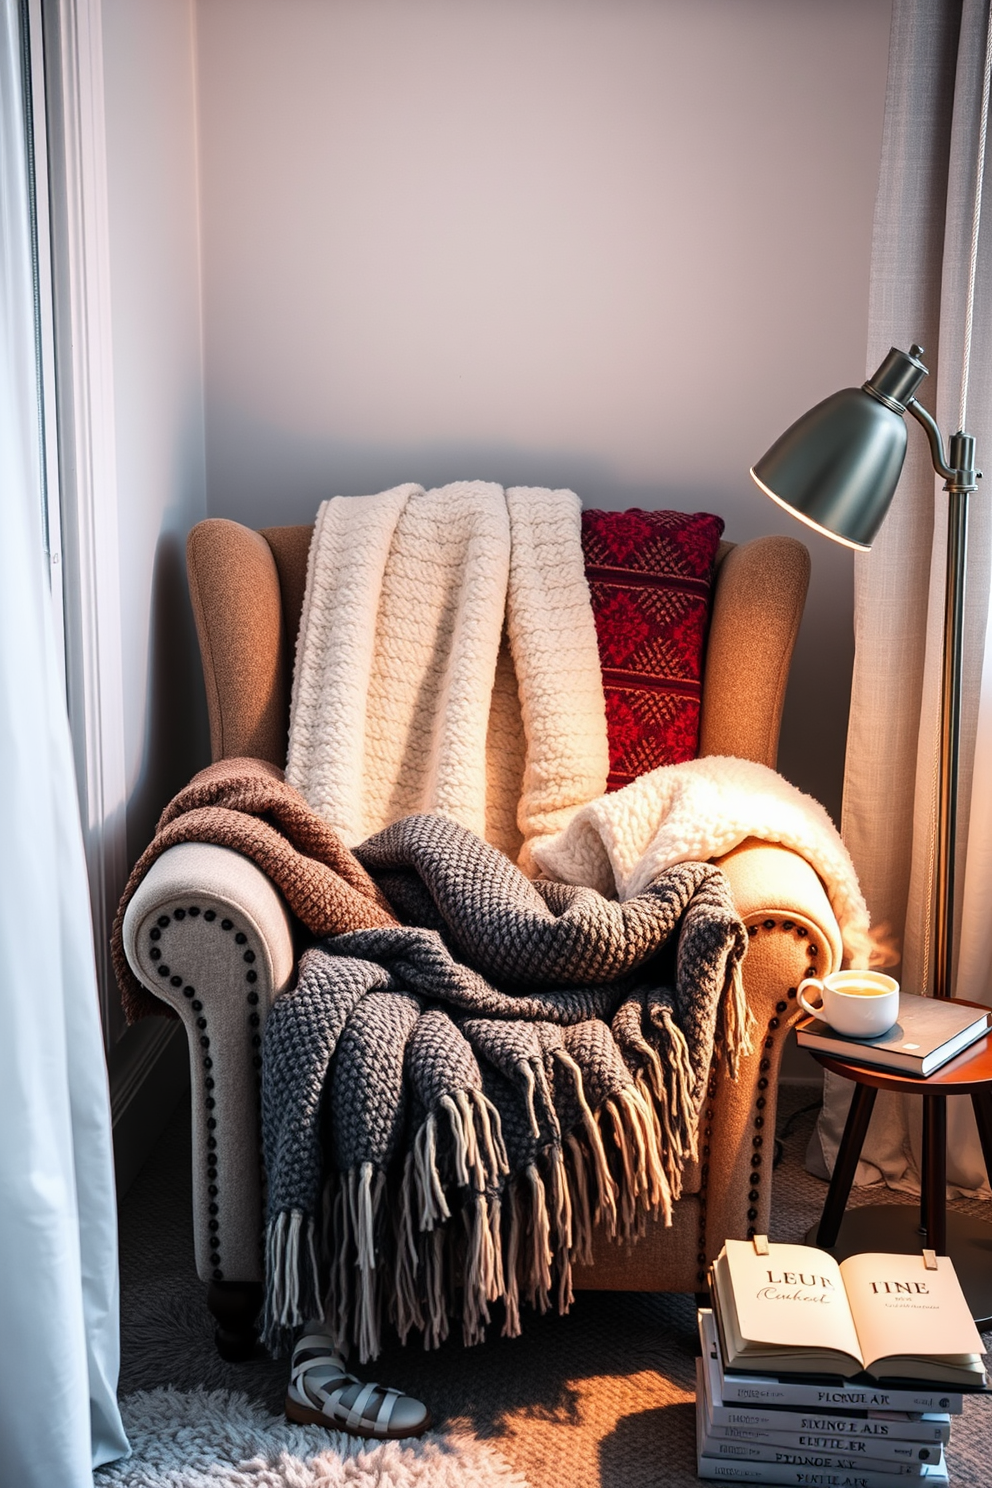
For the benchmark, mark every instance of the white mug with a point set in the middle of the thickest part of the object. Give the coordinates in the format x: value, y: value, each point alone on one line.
x: 858, y: 1004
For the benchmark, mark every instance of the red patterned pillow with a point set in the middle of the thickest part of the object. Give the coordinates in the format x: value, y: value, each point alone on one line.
x: 650, y: 574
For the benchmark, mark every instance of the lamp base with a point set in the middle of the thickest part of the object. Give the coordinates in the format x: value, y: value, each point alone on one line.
x: 896, y: 1228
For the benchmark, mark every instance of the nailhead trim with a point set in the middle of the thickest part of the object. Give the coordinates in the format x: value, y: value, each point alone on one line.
x: 210, y: 1102
x: 774, y: 1024
x: 704, y: 1172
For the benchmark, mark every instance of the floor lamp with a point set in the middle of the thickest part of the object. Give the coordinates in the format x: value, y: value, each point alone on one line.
x: 836, y: 469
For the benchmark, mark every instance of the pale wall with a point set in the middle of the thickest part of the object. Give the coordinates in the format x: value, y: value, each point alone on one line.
x: 149, y: 64
x: 612, y: 244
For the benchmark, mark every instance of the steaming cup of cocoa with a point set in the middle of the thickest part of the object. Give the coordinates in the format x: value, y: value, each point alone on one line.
x: 858, y: 1004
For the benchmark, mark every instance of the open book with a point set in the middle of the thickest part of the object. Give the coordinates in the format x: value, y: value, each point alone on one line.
x: 796, y: 1311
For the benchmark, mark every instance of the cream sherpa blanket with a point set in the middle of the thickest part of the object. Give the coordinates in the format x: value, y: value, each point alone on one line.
x: 447, y: 662
x: 697, y: 811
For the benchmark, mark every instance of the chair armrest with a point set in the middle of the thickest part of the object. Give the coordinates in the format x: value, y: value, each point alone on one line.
x: 208, y: 934
x: 792, y: 933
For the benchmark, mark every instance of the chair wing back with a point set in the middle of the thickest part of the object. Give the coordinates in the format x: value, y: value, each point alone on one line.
x: 247, y: 590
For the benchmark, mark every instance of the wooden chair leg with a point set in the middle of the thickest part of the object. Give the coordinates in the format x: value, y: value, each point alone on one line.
x: 235, y: 1306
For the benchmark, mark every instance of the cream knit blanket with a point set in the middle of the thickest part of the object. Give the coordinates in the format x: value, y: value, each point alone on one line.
x: 697, y: 811
x: 447, y: 662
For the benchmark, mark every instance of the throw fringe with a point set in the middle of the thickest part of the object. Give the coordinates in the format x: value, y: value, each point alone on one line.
x: 561, y: 1226
x: 365, y: 1190
x: 337, y: 1303
x: 738, y: 1020
x: 433, y: 1205
x: 483, y: 1278
x: 511, y: 1291
x: 407, y: 1311
x: 436, y: 1329
x: 293, y: 1290
x: 479, y: 1154
x: 582, y: 1214
x: 673, y: 1103
x: 353, y: 1304
x: 645, y: 1189
x: 538, y: 1255
x: 606, y: 1188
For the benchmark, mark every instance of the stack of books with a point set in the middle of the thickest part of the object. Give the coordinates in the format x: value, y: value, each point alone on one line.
x: 827, y: 1375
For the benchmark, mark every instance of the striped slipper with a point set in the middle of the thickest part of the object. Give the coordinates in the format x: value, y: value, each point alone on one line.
x: 322, y: 1393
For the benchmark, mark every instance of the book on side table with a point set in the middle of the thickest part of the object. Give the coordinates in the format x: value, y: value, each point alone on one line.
x: 929, y: 1032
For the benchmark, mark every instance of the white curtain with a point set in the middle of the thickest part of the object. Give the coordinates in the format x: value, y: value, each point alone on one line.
x: 58, y: 1227
x: 921, y: 251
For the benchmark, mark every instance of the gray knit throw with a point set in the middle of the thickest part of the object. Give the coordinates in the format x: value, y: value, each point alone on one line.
x: 472, y: 1092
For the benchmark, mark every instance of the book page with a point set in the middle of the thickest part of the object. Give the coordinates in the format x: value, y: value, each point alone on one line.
x: 901, y: 1309
x: 792, y: 1298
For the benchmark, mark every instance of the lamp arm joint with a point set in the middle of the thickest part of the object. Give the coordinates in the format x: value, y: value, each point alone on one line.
x: 933, y: 435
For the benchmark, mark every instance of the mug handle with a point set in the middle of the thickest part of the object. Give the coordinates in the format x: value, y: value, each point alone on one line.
x: 814, y: 1012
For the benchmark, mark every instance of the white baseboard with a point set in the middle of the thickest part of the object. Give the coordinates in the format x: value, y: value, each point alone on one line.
x: 149, y: 1075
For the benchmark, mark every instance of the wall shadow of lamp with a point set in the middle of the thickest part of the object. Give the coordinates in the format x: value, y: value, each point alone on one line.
x: 837, y: 469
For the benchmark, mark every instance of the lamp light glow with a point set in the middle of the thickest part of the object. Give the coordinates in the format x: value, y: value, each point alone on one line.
x: 847, y: 542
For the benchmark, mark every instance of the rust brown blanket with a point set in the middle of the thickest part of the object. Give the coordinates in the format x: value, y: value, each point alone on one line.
x: 245, y: 804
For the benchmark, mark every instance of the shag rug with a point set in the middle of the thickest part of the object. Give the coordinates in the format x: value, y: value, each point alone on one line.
x: 221, y: 1439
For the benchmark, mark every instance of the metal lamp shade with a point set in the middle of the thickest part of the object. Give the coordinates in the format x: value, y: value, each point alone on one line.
x: 837, y: 467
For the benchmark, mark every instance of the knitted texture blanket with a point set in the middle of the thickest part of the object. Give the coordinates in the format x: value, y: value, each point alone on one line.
x: 244, y: 804
x: 516, y: 1063
x: 447, y: 662
x: 697, y: 810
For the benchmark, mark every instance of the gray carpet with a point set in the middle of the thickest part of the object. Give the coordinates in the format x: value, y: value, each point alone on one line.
x: 599, y: 1399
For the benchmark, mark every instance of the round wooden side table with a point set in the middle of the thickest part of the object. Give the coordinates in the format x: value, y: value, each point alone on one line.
x: 897, y: 1228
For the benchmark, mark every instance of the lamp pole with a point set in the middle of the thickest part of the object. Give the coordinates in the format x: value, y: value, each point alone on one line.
x: 960, y: 480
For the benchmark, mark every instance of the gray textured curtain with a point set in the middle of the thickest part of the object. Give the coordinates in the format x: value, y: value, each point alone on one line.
x: 919, y: 292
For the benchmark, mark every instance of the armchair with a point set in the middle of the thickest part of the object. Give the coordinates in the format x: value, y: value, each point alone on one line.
x: 227, y: 940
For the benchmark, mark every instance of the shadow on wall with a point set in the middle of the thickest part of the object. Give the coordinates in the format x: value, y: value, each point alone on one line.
x: 264, y: 475
x: 177, y: 738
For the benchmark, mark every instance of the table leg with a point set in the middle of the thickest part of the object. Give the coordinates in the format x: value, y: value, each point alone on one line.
x: 851, y: 1143
x: 934, y: 1195
x: 981, y: 1101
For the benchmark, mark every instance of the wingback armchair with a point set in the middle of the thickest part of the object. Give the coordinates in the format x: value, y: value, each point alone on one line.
x: 232, y: 945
